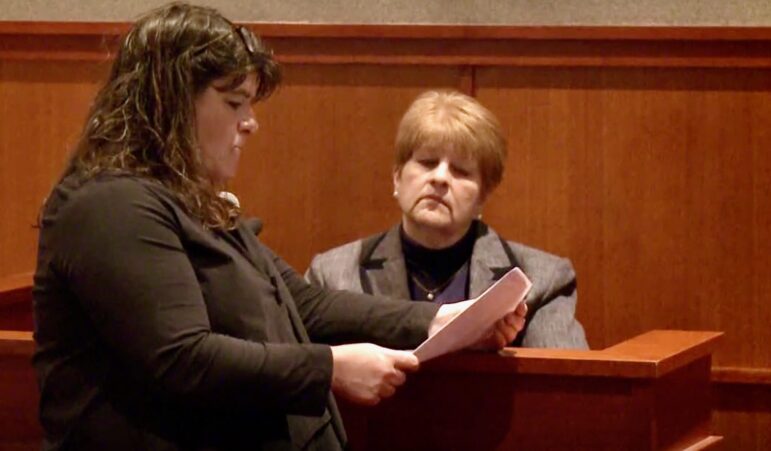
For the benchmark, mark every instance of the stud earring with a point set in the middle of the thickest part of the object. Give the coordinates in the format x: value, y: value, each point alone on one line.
x: 396, y: 193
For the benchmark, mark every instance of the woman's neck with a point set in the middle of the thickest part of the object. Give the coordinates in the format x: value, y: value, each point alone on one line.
x: 432, y: 267
x: 432, y: 238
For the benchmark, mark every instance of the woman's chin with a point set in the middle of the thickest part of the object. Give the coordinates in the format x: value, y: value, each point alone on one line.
x: 435, y: 223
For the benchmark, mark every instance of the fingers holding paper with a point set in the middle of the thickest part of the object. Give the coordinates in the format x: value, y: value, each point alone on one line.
x: 507, y: 328
x: 446, y: 313
x: 365, y: 373
x: 490, y: 321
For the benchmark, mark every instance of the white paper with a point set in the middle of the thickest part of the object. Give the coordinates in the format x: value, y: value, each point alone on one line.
x: 471, y: 324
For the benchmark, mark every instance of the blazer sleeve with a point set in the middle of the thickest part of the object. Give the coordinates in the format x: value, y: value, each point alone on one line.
x: 117, y: 245
x: 314, y: 274
x: 553, y: 323
x: 338, y: 316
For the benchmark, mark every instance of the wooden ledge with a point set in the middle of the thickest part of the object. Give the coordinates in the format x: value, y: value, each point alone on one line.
x: 16, y: 343
x: 740, y: 375
x: 15, y: 288
x: 650, y: 355
x: 16, y: 282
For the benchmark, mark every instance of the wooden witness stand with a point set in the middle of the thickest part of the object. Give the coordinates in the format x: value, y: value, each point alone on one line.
x: 650, y: 392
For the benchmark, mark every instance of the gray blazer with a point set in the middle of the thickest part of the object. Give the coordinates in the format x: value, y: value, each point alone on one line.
x: 376, y: 265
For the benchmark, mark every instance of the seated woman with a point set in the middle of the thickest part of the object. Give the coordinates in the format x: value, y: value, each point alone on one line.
x: 450, y: 156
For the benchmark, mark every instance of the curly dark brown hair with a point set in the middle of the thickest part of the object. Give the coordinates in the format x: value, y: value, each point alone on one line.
x: 142, y: 121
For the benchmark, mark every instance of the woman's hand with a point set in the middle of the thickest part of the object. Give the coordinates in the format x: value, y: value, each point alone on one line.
x: 445, y: 314
x: 505, y: 329
x: 502, y: 333
x: 365, y: 373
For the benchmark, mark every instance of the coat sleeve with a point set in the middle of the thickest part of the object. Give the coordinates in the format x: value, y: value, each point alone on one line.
x: 337, y: 316
x: 553, y: 323
x: 337, y: 269
x: 314, y: 274
x: 117, y: 246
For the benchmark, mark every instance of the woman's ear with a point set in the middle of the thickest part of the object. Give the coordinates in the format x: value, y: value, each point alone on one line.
x: 481, y: 203
x: 397, y: 175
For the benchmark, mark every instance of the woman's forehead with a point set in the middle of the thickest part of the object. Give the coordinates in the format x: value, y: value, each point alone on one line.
x: 245, y: 85
x: 445, y: 149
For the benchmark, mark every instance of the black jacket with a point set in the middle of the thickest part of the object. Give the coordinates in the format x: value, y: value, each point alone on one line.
x: 155, y: 333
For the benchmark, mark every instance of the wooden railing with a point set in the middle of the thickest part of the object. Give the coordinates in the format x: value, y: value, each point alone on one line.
x: 16, y: 308
x: 16, y: 302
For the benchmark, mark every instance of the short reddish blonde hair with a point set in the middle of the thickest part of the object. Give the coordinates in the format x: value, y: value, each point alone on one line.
x: 455, y: 120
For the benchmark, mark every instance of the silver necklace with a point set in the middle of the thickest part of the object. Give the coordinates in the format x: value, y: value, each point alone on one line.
x: 431, y: 293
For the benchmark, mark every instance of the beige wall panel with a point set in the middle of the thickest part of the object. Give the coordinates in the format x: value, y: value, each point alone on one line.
x: 655, y: 183
x: 510, y: 12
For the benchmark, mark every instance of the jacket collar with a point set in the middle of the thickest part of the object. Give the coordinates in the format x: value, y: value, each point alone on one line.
x: 489, y: 260
x: 385, y: 268
x: 386, y: 272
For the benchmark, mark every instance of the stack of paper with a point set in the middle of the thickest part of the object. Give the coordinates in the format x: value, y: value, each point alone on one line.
x: 472, y: 324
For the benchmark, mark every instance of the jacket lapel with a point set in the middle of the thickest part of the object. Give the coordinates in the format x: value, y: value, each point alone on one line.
x: 248, y: 231
x: 385, y: 269
x: 489, y: 261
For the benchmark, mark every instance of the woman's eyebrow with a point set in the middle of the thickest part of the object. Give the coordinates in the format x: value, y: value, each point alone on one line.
x: 241, y: 92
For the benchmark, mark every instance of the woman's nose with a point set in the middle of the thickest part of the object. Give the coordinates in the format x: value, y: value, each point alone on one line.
x: 248, y: 125
x: 441, y: 172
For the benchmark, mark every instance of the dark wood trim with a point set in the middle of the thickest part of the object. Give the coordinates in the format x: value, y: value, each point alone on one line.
x: 720, y: 375
x: 468, y: 81
x: 507, y: 32
x: 741, y: 375
x: 19, y: 343
x: 11, y: 286
x: 709, y: 442
x: 44, y: 28
x: 16, y: 302
x: 414, y: 31
x: 532, y: 53
x: 462, y: 46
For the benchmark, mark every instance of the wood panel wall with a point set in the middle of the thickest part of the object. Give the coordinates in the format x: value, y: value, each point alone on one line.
x: 642, y: 154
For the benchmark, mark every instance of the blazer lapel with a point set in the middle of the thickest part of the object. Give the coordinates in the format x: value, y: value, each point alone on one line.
x: 385, y: 269
x: 248, y: 231
x: 489, y: 261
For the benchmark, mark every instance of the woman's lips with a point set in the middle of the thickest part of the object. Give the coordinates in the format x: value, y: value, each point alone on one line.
x: 437, y: 199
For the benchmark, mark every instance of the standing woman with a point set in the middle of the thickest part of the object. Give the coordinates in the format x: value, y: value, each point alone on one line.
x: 161, y: 321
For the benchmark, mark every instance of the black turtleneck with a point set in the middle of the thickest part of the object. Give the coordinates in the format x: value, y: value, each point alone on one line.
x: 435, y: 267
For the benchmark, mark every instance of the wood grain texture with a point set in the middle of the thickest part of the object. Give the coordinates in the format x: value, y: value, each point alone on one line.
x: 16, y: 302
x: 424, y: 31
x: 742, y: 414
x: 319, y: 171
x: 654, y: 182
x: 42, y: 107
x: 518, y: 402
x: 544, y: 399
x: 434, y: 45
x: 19, y: 427
x: 738, y: 375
